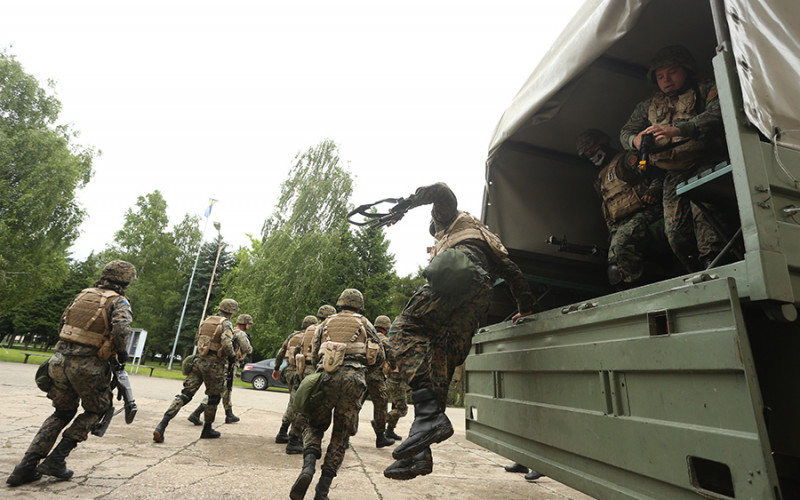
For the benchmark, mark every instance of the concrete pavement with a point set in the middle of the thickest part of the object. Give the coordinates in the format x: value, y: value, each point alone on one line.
x: 245, y: 462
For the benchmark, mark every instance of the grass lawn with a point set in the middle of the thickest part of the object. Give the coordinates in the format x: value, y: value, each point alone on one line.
x: 17, y: 355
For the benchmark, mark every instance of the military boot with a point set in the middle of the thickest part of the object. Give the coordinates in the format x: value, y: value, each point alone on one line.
x: 380, y: 437
x: 230, y: 418
x: 517, y: 467
x: 26, y: 471
x: 158, y: 432
x: 533, y: 475
x: 409, y: 468
x: 55, y: 464
x: 282, y: 436
x: 324, y: 485
x: 430, y: 425
x: 300, y: 485
x: 208, y: 415
x: 195, y: 416
x: 295, y: 445
x: 391, y: 434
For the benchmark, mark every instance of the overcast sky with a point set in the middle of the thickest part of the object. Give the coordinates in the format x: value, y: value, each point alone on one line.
x: 214, y: 99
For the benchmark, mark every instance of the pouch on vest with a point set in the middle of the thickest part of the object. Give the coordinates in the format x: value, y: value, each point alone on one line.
x: 372, y: 352
x: 300, y: 363
x: 333, y: 356
x: 309, y: 394
x: 43, y: 380
x: 187, y: 365
x: 450, y: 271
x: 203, y: 345
x: 105, y: 350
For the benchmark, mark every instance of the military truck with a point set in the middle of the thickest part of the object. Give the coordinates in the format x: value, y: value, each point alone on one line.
x: 689, y: 386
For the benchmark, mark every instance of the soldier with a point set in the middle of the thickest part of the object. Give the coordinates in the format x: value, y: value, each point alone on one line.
x: 346, y: 343
x: 241, y: 344
x: 396, y: 386
x: 378, y: 390
x: 432, y: 336
x: 94, y: 327
x: 304, y: 367
x: 630, y: 204
x: 288, y: 351
x: 685, y: 119
x: 214, y: 341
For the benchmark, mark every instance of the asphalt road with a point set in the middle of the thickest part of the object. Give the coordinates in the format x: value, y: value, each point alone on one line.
x: 245, y: 462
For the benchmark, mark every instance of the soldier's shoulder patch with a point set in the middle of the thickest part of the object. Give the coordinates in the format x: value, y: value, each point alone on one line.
x: 711, y: 93
x: 631, y: 160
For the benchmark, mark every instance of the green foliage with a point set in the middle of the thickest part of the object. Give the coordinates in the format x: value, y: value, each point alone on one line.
x: 40, y: 170
x: 307, y: 255
x: 162, y: 265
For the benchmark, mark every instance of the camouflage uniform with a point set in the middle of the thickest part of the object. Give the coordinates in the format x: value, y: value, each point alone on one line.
x: 290, y: 373
x: 433, y: 334
x: 342, y: 401
x: 208, y: 369
x: 687, y: 228
x: 629, y: 235
x: 378, y: 394
x: 80, y: 377
x: 397, y: 388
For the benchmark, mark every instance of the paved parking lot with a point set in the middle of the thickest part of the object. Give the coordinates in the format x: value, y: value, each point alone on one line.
x: 245, y: 462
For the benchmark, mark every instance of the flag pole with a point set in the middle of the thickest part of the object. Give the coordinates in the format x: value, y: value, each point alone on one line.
x: 191, y: 279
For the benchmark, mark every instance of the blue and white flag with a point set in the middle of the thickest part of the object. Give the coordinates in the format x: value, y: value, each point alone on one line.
x: 211, y: 202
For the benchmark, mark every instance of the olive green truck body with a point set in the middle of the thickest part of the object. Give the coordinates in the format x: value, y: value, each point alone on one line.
x: 687, y: 387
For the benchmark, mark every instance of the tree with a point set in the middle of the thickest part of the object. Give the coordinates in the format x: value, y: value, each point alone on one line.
x: 41, y: 168
x: 290, y: 271
x: 162, y: 266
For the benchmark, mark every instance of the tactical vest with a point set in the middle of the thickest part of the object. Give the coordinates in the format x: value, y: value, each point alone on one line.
x: 209, y: 337
x: 240, y: 338
x: 292, y: 346
x: 466, y: 227
x: 666, y: 111
x: 86, y: 320
x: 308, y: 339
x: 620, y: 199
x: 343, y: 335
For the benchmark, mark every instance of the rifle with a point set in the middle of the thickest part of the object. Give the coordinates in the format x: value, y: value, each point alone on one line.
x: 376, y: 219
x: 121, y: 382
x: 229, y: 375
x: 645, y: 149
x: 565, y: 246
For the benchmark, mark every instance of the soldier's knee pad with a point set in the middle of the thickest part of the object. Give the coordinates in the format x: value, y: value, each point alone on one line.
x: 65, y: 415
x: 214, y: 400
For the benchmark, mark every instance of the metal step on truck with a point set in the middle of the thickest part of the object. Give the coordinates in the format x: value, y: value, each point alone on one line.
x: 689, y: 386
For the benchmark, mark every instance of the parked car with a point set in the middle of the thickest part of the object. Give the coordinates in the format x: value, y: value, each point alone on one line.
x: 260, y: 374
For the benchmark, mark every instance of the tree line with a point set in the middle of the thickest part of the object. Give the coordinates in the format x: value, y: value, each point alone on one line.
x: 305, y: 256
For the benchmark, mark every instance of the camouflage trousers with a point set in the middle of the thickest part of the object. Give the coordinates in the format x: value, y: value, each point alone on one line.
x: 433, y: 334
x: 628, y: 239
x: 300, y: 422
x: 397, y: 388
x: 341, y: 400
x: 77, y: 380
x: 688, y: 229
x: 290, y: 372
x: 376, y: 388
x: 208, y: 370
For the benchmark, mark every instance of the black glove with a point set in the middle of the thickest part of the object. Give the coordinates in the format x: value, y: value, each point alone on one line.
x: 403, y: 205
x: 122, y: 356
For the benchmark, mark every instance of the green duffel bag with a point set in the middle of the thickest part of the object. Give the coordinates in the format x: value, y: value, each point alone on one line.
x: 187, y: 365
x: 309, y: 393
x: 43, y: 380
x: 450, y: 272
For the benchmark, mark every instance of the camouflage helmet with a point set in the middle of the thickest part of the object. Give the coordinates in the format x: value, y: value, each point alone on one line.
x: 589, y: 139
x: 325, y: 311
x: 119, y: 271
x: 308, y: 321
x: 229, y: 306
x: 244, y: 319
x: 383, y: 322
x: 352, y: 299
x: 676, y: 55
